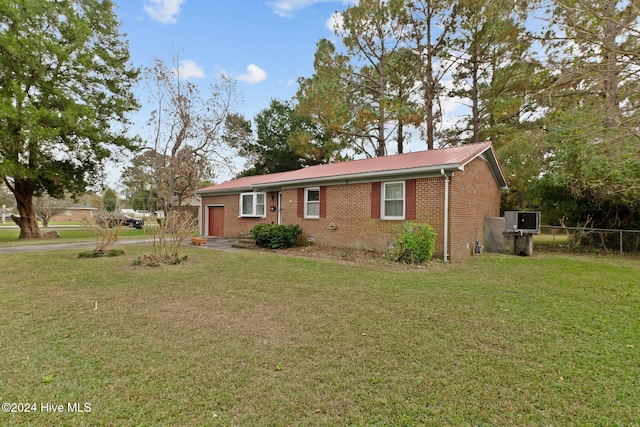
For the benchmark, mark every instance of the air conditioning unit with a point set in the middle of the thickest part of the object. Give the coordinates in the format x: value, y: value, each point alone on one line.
x: 522, y: 221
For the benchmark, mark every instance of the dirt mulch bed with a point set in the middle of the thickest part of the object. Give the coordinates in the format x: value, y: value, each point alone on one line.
x: 378, y: 259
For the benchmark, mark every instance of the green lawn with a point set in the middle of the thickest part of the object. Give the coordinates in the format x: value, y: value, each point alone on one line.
x: 549, y: 240
x: 258, y: 338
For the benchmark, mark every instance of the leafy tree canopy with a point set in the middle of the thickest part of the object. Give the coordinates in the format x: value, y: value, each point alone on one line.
x: 557, y: 96
x: 65, y: 89
x: 285, y: 140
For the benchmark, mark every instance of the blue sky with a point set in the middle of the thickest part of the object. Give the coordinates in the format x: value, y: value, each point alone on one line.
x: 265, y: 45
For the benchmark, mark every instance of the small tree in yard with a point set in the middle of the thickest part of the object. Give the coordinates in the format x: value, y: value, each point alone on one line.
x: 187, y: 129
x: 47, y: 207
x: 167, y: 239
x: 107, y: 231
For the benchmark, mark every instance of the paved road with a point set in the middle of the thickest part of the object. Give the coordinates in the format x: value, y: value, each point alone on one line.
x: 216, y: 244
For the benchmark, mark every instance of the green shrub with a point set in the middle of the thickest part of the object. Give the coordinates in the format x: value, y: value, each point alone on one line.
x: 415, y: 244
x: 274, y: 236
x: 157, y: 261
x: 99, y: 254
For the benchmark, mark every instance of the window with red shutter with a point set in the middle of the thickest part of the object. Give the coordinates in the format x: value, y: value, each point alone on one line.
x: 375, y: 199
x: 300, y: 202
x: 410, y: 198
x: 312, y: 202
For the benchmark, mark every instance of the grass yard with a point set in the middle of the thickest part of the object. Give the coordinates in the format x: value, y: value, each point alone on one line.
x: 258, y: 338
x: 549, y: 240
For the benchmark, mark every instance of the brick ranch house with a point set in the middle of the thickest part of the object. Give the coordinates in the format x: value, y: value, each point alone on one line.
x: 359, y: 203
x: 75, y: 213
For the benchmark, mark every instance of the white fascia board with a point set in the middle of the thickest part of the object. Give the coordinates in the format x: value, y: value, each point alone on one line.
x: 224, y: 192
x: 490, y: 157
x: 362, y: 177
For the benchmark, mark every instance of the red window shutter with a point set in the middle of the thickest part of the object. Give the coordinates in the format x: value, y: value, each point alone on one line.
x: 323, y: 202
x: 375, y: 199
x: 410, y: 198
x: 300, y: 202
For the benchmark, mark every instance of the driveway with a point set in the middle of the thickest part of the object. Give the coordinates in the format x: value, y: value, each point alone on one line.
x: 215, y: 244
x: 218, y: 244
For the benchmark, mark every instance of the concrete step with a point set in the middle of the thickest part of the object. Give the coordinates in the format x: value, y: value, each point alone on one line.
x: 245, y: 243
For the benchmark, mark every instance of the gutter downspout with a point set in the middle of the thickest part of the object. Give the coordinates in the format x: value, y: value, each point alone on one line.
x: 201, y: 224
x: 446, y: 215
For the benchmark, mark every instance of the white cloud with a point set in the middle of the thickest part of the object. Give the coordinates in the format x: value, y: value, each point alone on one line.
x: 254, y: 75
x: 335, y: 22
x: 188, y: 69
x: 164, y: 11
x: 286, y: 8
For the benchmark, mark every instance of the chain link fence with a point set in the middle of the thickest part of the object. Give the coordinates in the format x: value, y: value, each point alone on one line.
x: 614, y: 240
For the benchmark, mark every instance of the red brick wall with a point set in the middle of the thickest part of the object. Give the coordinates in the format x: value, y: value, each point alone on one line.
x: 234, y: 225
x: 473, y: 194
x: 349, y: 209
x: 430, y: 208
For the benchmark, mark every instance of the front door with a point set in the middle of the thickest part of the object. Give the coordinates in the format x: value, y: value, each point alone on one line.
x: 216, y: 221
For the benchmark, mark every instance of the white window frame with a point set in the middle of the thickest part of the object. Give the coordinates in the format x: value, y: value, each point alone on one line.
x: 307, y: 202
x: 383, y: 210
x: 254, y: 205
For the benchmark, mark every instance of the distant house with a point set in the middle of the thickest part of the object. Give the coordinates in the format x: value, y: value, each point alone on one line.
x: 190, y: 204
x: 359, y: 203
x: 75, y: 213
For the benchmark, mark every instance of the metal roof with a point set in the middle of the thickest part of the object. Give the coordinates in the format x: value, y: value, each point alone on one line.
x: 420, y: 162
